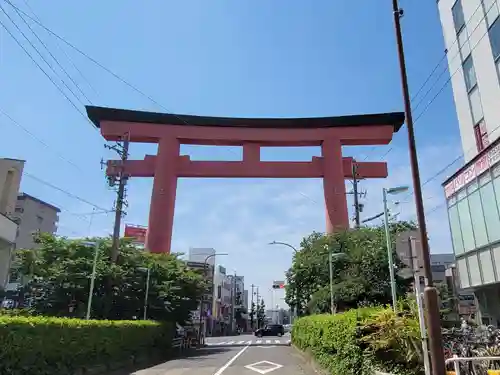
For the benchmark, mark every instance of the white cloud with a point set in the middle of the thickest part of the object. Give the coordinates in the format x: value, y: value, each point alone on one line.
x: 240, y: 217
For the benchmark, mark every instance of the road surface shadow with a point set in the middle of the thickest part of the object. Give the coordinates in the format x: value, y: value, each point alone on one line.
x: 191, y: 354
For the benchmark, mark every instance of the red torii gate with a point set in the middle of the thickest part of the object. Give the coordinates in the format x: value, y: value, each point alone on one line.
x: 170, y: 131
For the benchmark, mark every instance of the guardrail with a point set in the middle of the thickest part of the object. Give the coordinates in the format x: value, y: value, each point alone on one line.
x: 455, y: 360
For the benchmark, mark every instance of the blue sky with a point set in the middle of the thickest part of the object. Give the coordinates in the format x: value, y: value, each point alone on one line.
x: 224, y: 58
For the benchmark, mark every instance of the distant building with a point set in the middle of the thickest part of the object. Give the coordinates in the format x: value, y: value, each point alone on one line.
x: 200, y: 254
x: 11, y: 171
x: 245, y: 300
x: 207, y: 271
x: 33, y: 216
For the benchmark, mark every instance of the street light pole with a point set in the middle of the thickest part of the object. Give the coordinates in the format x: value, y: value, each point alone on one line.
x: 92, y: 277
x: 430, y: 292
x: 389, y: 252
x: 296, y: 312
x: 332, y: 304
x: 146, y: 294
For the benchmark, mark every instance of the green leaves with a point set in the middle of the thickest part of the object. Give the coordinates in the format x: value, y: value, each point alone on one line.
x: 360, y: 276
x: 359, y: 340
x: 59, y: 273
x: 44, y: 345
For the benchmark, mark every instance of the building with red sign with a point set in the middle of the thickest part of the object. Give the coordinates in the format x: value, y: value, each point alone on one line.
x: 472, y: 38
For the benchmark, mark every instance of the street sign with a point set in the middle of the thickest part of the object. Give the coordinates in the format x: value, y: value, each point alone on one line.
x: 278, y: 285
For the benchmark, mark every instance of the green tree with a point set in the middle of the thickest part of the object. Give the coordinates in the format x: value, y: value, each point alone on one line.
x: 59, y: 275
x: 261, y: 314
x: 252, y: 314
x: 360, y: 276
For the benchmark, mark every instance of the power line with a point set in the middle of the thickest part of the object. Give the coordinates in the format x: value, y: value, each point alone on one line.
x: 443, y: 58
x: 71, y: 195
x: 109, y: 71
x: 40, y: 54
x: 45, y: 73
x: 61, y: 49
x: 43, y: 143
x: 54, y: 57
x: 446, y: 68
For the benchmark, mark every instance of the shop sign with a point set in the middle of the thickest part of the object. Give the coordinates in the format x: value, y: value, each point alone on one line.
x: 473, y: 171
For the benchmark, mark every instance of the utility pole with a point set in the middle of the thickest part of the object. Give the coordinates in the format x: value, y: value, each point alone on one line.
x: 355, y: 192
x: 430, y: 292
x: 357, y: 206
x: 121, y: 148
x: 252, y: 310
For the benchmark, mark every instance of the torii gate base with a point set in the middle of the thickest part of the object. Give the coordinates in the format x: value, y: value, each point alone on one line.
x: 170, y: 131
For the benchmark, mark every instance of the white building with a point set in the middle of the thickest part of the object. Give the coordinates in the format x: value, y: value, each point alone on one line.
x: 471, y: 31
x: 11, y: 171
x: 33, y: 216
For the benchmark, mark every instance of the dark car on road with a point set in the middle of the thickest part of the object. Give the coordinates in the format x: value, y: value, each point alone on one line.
x: 271, y: 330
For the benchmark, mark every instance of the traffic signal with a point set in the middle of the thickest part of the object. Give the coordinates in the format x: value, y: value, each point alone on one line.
x: 278, y: 285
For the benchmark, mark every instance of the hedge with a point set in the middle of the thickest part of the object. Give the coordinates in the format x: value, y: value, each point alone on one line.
x: 361, y: 340
x: 46, y: 345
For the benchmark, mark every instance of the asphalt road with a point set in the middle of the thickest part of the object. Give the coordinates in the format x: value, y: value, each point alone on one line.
x: 236, y: 360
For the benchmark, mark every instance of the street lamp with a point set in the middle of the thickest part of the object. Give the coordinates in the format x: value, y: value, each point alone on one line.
x: 294, y: 313
x: 201, y: 298
x: 95, y: 245
x: 391, y: 191
x: 332, y: 256
x: 146, y: 293
x: 284, y: 244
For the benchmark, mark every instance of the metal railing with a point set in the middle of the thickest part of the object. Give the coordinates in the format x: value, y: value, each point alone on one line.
x: 455, y: 360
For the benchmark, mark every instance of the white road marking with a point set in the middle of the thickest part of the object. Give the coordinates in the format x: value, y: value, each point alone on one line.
x: 249, y: 342
x: 240, y: 342
x: 228, y: 363
x: 230, y: 343
x: 259, y: 341
x: 272, y: 366
x: 277, y: 341
x: 268, y: 341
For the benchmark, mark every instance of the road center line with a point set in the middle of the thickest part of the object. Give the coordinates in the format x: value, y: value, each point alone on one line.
x: 223, y: 368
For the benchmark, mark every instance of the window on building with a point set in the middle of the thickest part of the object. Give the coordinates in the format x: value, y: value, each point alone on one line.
x: 477, y: 217
x: 456, y: 232
x: 487, y: 267
x: 494, y: 35
x: 491, y: 213
x: 490, y: 10
x: 463, y: 273
x: 19, y: 209
x: 496, y: 187
x: 469, y: 73
x: 466, y: 225
x: 458, y: 16
x: 474, y: 270
x: 475, y: 105
x: 464, y: 43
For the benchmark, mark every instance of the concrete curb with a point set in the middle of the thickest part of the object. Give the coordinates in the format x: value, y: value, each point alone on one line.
x: 309, y: 360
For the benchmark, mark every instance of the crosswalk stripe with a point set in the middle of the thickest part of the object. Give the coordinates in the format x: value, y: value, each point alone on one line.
x: 250, y: 342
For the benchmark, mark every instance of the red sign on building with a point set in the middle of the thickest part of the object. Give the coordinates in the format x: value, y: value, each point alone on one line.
x: 136, y: 232
x: 479, y: 166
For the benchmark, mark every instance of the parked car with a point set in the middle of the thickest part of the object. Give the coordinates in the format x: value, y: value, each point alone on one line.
x: 271, y: 330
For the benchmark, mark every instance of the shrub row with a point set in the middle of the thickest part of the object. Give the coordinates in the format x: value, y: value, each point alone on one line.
x: 361, y: 340
x: 45, y: 345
